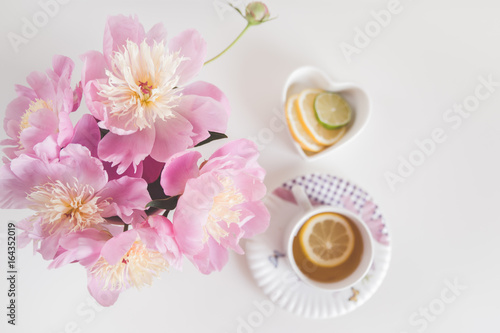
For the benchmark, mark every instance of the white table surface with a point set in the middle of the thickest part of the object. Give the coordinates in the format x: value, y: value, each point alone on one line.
x: 444, y: 218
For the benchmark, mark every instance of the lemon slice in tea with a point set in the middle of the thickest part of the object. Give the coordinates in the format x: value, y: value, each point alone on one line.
x: 327, y: 239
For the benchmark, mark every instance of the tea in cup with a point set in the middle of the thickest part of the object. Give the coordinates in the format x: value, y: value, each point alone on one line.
x: 329, y: 248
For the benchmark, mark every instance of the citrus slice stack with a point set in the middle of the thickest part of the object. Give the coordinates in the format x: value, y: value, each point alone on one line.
x: 317, y: 118
x: 307, y: 116
x: 327, y: 239
x: 297, y: 129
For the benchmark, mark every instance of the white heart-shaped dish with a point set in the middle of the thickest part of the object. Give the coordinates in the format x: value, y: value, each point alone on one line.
x: 311, y: 77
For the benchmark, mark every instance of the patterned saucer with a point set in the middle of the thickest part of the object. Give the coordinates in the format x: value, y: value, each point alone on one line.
x: 270, y: 268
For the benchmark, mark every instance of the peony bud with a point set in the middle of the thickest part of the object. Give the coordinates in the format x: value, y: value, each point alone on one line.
x: 256, y: 13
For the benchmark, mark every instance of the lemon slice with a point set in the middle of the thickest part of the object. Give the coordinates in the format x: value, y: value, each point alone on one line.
x: 296, y: 129
x: 307, y: 116
x: 332, y: 110
x: 327, y: 239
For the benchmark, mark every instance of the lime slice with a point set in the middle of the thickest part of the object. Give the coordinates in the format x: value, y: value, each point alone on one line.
x: 332, y: 110
x: 309, y: 120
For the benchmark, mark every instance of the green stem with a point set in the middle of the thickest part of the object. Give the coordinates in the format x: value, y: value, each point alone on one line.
x: 230, y: 45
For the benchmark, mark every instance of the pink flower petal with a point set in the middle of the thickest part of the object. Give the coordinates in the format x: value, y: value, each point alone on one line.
x: 62, y: 68
x: 14, y: 111
x: 192, y: 211
x: 158, y: 235
x: 23, y: 91
x: 48, y: 150
x: 172, y: 136
x: 13, y: 194
x: 192, y: 46
x: 115, y: 248
x: 43, y: 123
x: 93, y: 100
x: 125, y: 195
x: 41, y: 85
x: 94, y: 67
x: 213, y: 257
x: 202, y: 88
x: 237, y: 154
x: 152, y: 169
x: 126, y: 150
x: 178, y: 170
x: 82, y: 166
x: 65, y: 129
x: 50, y: 245
x: 104, y: 297
x: 234, y: 235
x: 157, y: 34
x: 250, y: 186
x: 77, y: 96
x: 24, y: 173
x: 132, y: 171
x: 259, y: 221
x: 83, y: 246
x: 118, y: 30
x: 205, y: 114
x: 87, y: 134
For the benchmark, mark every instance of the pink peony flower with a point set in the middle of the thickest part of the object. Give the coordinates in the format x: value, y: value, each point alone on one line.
x: 69, y: 192
x: 220, y: 202
x: 42, y: 110
x: 138, y: 89
x: 131, y: 259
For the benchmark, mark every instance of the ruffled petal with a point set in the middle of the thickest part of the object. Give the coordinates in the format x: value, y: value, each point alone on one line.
x: 125, y: 195
x: 157, y: 34
x: 213, y: 257
x: 126, y: 150
x: 202, y: 88
x: 191, y: 45
x: 62, y: 67
x: 192, y: 210
x: 205, y: 114
x: 94, y: 67
x: 102, y: 295
x: 23, y: 91
x: 258, y: 220
x: 82, y: 166
x: 24, y: 173
x: 178, y: 170
x: 172, y: 136
x: 83, y: 247
x: 118, y: 30
x: 42, y: 86
x: 238, y: 154
x: 118, y: 246
x: 87, y: 134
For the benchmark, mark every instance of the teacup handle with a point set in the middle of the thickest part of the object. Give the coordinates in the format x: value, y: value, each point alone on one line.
x: 301, y: 198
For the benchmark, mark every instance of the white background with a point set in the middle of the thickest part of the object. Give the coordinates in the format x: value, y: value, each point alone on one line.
x: 444, y: 219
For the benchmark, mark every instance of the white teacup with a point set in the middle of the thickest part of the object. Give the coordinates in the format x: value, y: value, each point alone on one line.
x: 308, y: 212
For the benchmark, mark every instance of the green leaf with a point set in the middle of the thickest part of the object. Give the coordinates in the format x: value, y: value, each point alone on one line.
x: 103, y: 132
x: 213, y: 136
x: 168, y: 203
x: 156, y: 191
x: 114, y: 220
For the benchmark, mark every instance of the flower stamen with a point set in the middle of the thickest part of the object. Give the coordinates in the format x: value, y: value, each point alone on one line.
x: 137, y: 268
x: 141, y: 85
x: 223, y: 210
x: 73, y: 206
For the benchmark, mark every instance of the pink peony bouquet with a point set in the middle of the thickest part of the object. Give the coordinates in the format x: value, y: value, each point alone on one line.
x: 123, y: 192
